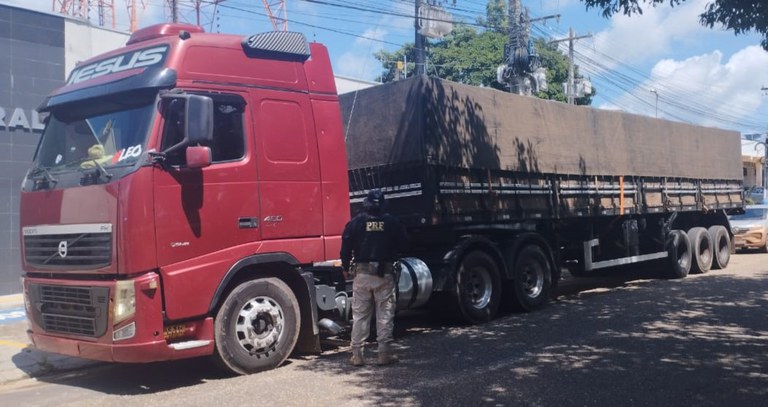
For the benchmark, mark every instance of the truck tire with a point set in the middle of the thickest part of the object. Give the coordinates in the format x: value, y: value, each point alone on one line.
x: 478, y: 288
x: 678, y: 254
x: 701, y: 250
x: 257, y: 327
x: 532, y: 278
x: 721, y: 243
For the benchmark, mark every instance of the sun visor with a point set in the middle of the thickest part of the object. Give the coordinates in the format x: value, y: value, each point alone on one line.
x: 151, y: 78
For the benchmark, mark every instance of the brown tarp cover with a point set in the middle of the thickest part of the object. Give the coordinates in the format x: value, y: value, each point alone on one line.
x: 427, y: 120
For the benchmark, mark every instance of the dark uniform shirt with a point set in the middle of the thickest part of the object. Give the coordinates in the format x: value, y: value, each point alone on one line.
x: 371, y: 238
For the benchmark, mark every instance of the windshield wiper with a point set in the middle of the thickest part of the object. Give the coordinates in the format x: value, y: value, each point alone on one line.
x: 45, y: 173
x: 102, y: 170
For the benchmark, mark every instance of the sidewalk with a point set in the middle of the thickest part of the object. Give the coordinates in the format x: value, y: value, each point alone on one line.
x: 18, y: 360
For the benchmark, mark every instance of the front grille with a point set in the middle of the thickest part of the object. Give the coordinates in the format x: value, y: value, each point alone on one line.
x: 69, y: 325
x: 81, y: 250
x: 738, y: 230
x: 65, y: 295
x: 70, y: 310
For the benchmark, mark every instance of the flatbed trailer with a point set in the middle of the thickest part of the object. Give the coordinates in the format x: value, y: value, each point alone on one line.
x: 537, y: 185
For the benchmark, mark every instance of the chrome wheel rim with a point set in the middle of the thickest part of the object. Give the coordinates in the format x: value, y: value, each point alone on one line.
x: 259, y: 325
x: 478, y: 287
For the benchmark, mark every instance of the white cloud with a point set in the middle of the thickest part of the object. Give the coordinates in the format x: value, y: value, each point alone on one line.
x: 639, y: 38
x: 700, y: 75
x: 730, y: 90
x: 358, y: 61
x: 705, y: 90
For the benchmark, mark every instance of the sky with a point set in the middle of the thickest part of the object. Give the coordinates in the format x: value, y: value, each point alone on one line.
x: 661, y: 63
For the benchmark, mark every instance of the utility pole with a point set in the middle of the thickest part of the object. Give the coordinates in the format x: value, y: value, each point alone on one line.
x: 518, y: 43
x: 174, y: 10
x: 571, y: 71
x: 521, y: 62
x: 765, y: 156
x: 418, y: 42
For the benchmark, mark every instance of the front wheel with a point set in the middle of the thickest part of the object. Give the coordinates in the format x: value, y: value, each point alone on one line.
x: 478, y: 288
x: 257, y: 327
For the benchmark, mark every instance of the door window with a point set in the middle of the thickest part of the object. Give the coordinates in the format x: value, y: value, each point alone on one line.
x: 228, y: 143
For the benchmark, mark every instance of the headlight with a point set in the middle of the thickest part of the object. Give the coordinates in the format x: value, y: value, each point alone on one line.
x: 125, y: 301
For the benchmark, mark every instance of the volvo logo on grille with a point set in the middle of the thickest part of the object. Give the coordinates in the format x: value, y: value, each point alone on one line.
x: 63, y: 248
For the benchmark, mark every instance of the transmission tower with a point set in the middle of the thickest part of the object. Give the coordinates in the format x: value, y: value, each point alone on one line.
x: 104, y: 9
x: 521, y: 71
x: 276, y: 13
x: 191, y: 11
x: 73, y: 8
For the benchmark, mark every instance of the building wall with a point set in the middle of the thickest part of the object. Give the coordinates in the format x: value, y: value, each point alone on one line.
x: 32, y: 65
x: 82, y: 41
x: 36, y: 51
x: 752, y: 173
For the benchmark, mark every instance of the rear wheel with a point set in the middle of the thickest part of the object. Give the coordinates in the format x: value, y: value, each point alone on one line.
x: 532, y: 278
x: 702, y: 250
x: 678, y: 254
x: 478, y: 287
x: 257, y: 327
x: 721, y: 243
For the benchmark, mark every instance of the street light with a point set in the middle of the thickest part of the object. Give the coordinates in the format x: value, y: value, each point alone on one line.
x: 657, y: 101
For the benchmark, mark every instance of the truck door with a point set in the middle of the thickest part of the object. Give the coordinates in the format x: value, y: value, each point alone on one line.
x: 288, y: 168
x: 203, y: 211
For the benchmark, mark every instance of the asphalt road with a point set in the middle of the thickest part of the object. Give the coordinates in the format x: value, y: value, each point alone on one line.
x: 626, y: 340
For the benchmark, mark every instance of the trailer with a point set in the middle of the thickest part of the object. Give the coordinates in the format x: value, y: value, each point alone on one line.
x: 501, y: 192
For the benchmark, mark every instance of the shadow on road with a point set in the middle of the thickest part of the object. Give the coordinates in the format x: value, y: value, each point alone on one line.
x: 619, y: 340
x: 699, y: 341
x: 136, y: 379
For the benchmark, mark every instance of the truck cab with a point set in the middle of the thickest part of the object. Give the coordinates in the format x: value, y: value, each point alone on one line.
x: 182, y: 188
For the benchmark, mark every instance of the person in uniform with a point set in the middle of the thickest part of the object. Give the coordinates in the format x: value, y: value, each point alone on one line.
x: 369, y: 248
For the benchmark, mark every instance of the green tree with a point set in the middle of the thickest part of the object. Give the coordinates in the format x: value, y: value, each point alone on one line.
x: 470, y: 56
x: 556, y: 65
x: 496, y: 16
x: 740, y: 16
x: 389, y: 61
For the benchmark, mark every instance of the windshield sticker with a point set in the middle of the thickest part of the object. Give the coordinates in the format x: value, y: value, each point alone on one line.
x: 130, y: 60
x: 126, y: 153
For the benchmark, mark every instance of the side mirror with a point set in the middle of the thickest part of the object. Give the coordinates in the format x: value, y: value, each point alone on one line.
x: 194, y: 119
x: 198, y: 156
x: 199, y: 120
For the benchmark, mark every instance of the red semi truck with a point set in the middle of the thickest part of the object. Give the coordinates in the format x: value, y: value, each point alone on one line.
x: 189, y: 191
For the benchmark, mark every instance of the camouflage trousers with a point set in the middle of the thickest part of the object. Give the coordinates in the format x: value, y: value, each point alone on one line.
x: 373, y: 294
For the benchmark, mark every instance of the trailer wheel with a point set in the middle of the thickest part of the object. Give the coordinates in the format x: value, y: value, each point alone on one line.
x: 532, y: 278
x: 702, y: 248
x: 721, y: 242
x: 257, y: 326
x: 678, y: 254
x: 478, y: 288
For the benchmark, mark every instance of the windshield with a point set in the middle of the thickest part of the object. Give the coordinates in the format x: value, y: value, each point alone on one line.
x: 99, y: 134
x: 752, y: 214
